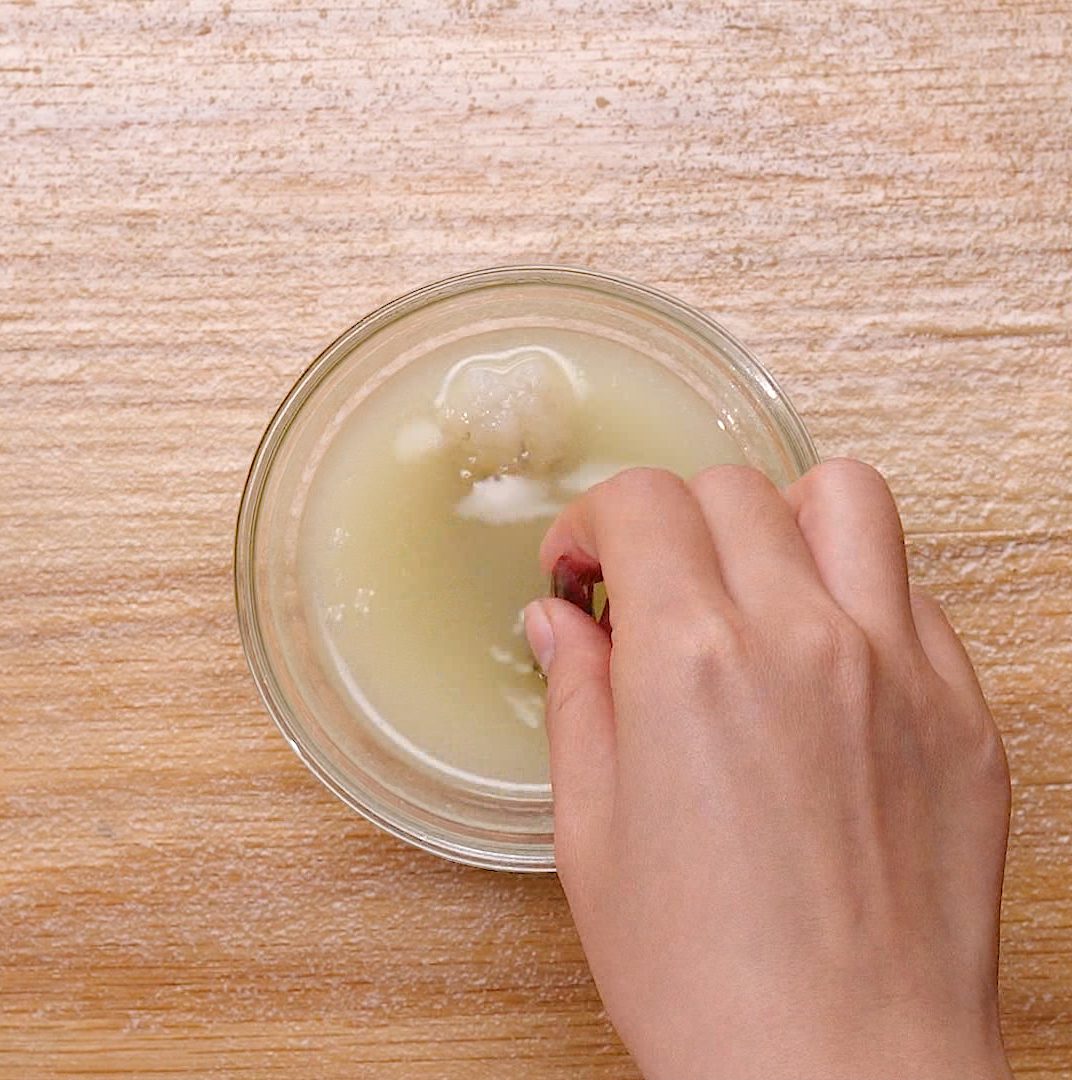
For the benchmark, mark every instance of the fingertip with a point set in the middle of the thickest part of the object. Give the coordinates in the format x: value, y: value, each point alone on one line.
x: 574, y: 630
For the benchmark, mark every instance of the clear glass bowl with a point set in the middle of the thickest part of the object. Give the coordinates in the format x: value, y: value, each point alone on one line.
x: 495, y: 828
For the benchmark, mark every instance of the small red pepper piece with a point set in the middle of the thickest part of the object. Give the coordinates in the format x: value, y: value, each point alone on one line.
x: 576, y: 583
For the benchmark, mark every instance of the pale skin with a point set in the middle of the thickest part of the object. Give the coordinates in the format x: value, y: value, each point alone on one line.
x: 781, y: 802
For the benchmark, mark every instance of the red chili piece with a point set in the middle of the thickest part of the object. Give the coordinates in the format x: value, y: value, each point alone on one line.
x: 575, y: 583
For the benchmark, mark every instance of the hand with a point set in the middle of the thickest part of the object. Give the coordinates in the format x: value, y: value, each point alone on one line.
x: 781, y: 804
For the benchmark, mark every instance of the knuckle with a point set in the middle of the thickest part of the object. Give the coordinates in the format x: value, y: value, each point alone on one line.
x: 564, y: 696
x: 927, y: 610
x: 987, y: 751
x: 729, y: 479
x: 846, y: 480
x: 923, y: 600
x: 847, y: 476
x: 706, y: 646
x: 569, y: 842
x: 973, y: 755
x: 845, y: 470
x: 642, y: 483
x: 839, y: 651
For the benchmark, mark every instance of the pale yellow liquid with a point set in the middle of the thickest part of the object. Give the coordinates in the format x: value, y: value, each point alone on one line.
x: 417, y: 605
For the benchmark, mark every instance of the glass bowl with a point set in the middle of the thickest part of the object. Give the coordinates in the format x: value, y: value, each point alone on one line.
x: 497, y: 826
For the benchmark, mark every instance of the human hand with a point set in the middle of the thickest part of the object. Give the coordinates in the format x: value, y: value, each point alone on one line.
x: 781, y: 803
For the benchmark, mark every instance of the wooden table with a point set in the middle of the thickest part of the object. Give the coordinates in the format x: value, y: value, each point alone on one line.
x: 197, y: 197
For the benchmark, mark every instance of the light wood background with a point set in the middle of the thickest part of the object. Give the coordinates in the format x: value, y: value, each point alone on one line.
x: 195, y: 198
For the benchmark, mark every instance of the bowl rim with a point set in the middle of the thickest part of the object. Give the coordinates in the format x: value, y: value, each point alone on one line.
x: 536, y: 856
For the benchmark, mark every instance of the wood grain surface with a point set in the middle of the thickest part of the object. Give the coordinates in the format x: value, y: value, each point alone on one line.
x: 195, y: 198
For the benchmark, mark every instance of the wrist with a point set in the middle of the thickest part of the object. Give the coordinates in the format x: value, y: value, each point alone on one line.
x: 770, y: 1049
x: 870, y: 1066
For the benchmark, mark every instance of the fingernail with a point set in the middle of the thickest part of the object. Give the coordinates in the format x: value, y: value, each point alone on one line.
x: 541, y: 636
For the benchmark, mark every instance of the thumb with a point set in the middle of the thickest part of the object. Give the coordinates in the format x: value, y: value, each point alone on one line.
x: 574, y: 652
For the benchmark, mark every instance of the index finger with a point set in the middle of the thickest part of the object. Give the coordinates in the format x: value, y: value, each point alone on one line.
x: 647, y: 532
